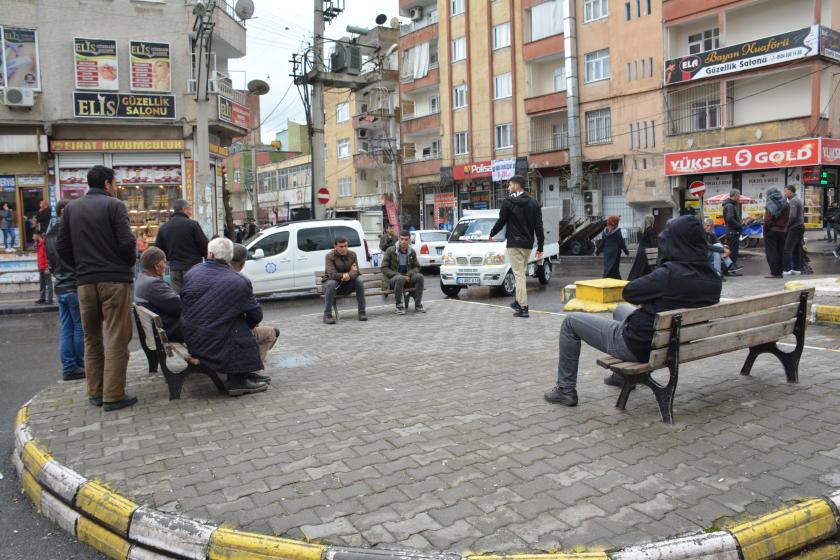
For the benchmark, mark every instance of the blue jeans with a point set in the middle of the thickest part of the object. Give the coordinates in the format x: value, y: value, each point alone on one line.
x: 72, y: 335
x: 9, y: 238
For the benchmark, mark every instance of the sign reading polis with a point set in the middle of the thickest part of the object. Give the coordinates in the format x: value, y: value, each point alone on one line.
x: 123, y: 106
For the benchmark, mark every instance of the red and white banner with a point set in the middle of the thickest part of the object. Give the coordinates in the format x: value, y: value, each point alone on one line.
x: 794, y: 153
x: 472, y: 170
x: 830, y: 151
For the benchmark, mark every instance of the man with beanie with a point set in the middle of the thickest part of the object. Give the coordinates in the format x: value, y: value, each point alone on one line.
x: 792, y: 258
x: 523, y: 217
x: 732, y: 220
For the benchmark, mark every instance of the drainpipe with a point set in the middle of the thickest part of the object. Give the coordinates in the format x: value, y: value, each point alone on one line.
x: 572, y: 98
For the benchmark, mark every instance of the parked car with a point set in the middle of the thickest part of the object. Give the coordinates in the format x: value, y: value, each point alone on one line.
x: 429, y: 244
x: 285, y: 258
x: 472, y: 258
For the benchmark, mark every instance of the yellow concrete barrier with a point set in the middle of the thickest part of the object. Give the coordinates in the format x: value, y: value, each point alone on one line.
x: 602, y: 290
x: 32, y: 489
x: 824, y: 552
x: 786, y: 530
x: 103, y: 540
x: 34, y: 458
x: 109, y: 508
x: 22, y: 416
x: 227, y: 544
x: 585, y: 555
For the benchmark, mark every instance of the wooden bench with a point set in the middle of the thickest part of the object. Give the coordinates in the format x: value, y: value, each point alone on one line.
x: 372, y: 279
x: 157, y: 348
x: 685, y: 335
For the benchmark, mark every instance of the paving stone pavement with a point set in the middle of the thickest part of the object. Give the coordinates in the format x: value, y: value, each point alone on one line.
x: 430, y: 431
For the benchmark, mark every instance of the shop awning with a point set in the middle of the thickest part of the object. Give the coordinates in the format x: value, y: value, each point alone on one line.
x: 22, y: 143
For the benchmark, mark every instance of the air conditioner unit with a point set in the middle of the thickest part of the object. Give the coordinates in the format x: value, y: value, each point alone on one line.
x: 416, y: 13
x: 617, y: 167
x: 592, y: 203
x: 19, y: 97
x: 362, y: 133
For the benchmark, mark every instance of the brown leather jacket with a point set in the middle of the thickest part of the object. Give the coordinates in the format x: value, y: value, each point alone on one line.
x: 336, y: 265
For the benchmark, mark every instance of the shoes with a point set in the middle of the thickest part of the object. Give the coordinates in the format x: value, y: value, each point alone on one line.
x: 258, y: 377
x: 836, y: 253
x: 515, y: 305
x: 125, y: 402
x: 244, y: 386
x: 329, y: 319
x: 77, y: 373
x: 731, y: 273
x: 774, y: 276
x: 561, y: 395
x: 522, y: 312
x: 418, y: 307
x: 400, y: 310
x: 95, y: 401
x: 615, y: 380
x: 791, y: 273
x: 362, y: 315
x: 41, y: 302
x: 276, y: 333
x: 736, y: 268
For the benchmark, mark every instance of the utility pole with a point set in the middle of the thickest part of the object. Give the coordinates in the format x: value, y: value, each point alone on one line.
x: 573, y: 96
x: 317, y: 134
x: 255, y: 192
x: 203, y: 37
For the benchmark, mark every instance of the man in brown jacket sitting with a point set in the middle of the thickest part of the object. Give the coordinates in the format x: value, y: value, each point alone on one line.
x: 342, y: 271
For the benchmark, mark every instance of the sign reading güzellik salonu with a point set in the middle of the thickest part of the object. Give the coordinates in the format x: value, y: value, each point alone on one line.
x: 123, y: 106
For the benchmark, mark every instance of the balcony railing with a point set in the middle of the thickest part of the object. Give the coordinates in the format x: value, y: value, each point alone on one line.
x: 549, y: 136
x: 695, y: 110
x: 427, y: 157
x: 412, y: 116
x: 226, y: 90
x: 227, y: 7
x: 407, y: 28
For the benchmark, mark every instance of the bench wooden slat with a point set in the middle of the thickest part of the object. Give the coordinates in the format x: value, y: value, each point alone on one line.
x: 729, y: 309
x: 181, y: 351
x: 725, y: 343
x: 608, y: 361
x: 150, y: 322
x: 728, y: 325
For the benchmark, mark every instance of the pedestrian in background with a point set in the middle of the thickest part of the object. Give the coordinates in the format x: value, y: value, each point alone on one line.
x: 792, y: 258
x: 44, y: 217
x: 183, y: 241
x: 252, y: 228
x: 96, y: 240
x: 776, y: 213
x: 612, y: 245
x: 387, y: 238
x: 44, y: 278
x: 732, y: 221
x: 30, y: 226
x: 72, y: 345
x: 832, y: 218
x: 7, y: 224
x: 522, y: 216
x: 647, y: 241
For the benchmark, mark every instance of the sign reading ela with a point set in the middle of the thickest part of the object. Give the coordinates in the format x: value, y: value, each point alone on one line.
x: 123, y: 106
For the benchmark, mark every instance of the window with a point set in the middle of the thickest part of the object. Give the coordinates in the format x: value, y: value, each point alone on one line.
x: 501, y: 36
x: 345, y: 186
x: 432, y: 151
x: 628, y: 71
x: 594, y: 9
x: 630, y: 139
x: 348, y: 233
x: 434, y: 104
x: 461, y: 147
x: 274, y: 244
x: 501, y: 86
x: 457, y: 7
x: 343, y: 148
x: 597, y: 65
x: 638, y: 8
x: 652, y: 134
x: 431, y: 15
x: 433, y: 54
x: 704, y: 41
x: 237, y: 175
x: 503, y: 136
x: 650, y: 67
x: 705, y: 114
x: 315, y: 239
x: 459, y: 49
x: 647, y: 11
x: 560, y: 78
x: 559, y: 137
x: 627, y: 11
x: 544, y: 20
x: 342, y: 112
x: 643, y: 68
x: 459, y: 97
x: 598, y: 127
x: 635, y: 69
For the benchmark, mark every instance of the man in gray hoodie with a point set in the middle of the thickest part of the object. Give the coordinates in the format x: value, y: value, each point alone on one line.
x: 792, y: 259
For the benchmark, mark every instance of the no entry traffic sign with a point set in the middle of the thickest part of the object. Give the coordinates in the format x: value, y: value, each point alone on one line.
x: 323, y: 195
x: 697, y: 188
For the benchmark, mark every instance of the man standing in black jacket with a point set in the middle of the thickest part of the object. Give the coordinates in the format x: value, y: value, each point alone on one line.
x: 96, y: 240
x: 684, y: 279
x: 183, y: 241
x: 523, y: 217
x: 732, y: 220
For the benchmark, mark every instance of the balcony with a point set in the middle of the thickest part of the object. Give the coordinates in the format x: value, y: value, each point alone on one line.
x: 549, y: 134
x: 412, y: 125
x: 228, y: 32
x: 408, y: 83
x: 375, y: 159
x: 419, y: 167
x: 542, y: 48
x: 418, y: 35
x: 545, y: 103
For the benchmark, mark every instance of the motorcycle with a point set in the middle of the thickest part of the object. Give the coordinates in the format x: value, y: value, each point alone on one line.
x: 752, y: 234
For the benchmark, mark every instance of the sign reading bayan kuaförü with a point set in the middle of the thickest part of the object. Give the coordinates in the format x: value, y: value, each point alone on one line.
x: 123, y: 106
x: 783, y: 47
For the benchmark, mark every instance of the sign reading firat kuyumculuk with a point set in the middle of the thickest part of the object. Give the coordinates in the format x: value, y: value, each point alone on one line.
x: 784, y: 47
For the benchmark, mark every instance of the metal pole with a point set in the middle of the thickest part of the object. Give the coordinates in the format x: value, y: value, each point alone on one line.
x: 317, y: 110
x: 202, y: 157
x: 572, y: 95
x: 255, y: 204
x: 702, y: 211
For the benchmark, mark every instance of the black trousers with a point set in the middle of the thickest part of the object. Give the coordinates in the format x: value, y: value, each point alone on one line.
x: 793, y: 248
x: 774, y: 249
x: 733, y: 241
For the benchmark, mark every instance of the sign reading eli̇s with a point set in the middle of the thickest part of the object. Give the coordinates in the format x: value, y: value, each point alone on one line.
x: 123, y: 106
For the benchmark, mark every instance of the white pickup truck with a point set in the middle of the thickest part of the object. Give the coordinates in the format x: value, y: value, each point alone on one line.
x: 471, y: 258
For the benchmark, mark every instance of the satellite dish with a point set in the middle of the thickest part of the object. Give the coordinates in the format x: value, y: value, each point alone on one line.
x: 244, y: 9
x: 257, y: 87
x: 381, y: 18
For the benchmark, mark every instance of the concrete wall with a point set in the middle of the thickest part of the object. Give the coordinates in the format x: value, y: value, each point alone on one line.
x: 762, y: 19
x: 785, y: 99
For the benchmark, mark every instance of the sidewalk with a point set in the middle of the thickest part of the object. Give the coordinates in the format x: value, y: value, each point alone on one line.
x: 18, y: 303
x: 443, y: 441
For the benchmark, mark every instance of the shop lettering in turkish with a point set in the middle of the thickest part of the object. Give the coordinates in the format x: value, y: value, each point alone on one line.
x: 96, y: 64
x: 793, y: 153
x: 783, y: 47
x: 234, y: 113
x: 123, y: 106
x: 7, y: 183
x: 473, y: 170
x: 150, y: 66
x: 503, y: 169
x: 830, y: 43
x: 20, y: 66
x: 116, y: 145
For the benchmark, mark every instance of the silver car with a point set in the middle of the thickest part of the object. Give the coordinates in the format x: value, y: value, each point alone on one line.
x: 429, y: 244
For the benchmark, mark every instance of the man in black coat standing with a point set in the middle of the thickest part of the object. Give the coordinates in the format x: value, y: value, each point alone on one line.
x: 732, y: 220
x: 523, y: 217
x: 183, y: 241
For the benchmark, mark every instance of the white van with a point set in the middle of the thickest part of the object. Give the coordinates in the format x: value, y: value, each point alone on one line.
x: 285, y: 258
x: 472, y: 258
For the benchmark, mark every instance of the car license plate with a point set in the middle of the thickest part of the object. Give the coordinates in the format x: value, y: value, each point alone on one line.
x: 467, y: 280
x: 440, y: 250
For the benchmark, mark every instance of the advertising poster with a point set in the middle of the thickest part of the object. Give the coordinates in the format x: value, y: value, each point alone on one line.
x: 150, y: 66
x: 20, y: 58
x: 830, y: 43
x: 784, y: 47
x: 123, y: 105
x: 96, y: 64
x: 234, y: 113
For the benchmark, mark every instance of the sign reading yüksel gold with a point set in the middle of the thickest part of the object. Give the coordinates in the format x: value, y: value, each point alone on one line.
x: 116, y: 145
x: 784, y: 47
x: 123, y: 106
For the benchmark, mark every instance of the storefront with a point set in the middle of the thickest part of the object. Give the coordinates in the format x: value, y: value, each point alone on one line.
x: 149, y: 175
x: 24, y: 180
x: 808, y: 164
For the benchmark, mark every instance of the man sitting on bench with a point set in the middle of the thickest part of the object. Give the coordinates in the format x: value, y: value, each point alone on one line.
x: 342, y: 271
x: 219, y: 311
x: 402, y: 270
x: 684, y: 279
x: 266, y: 336
x: 157, y: 296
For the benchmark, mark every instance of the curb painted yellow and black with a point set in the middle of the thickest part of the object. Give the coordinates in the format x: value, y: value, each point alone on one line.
x: 820, y: 313
x: 121, y: 529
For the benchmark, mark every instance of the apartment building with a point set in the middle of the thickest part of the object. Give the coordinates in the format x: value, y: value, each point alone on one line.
x: 363, y: 141
x: 285, y: 189
x: 750, y: 99
x: 75, y: 93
